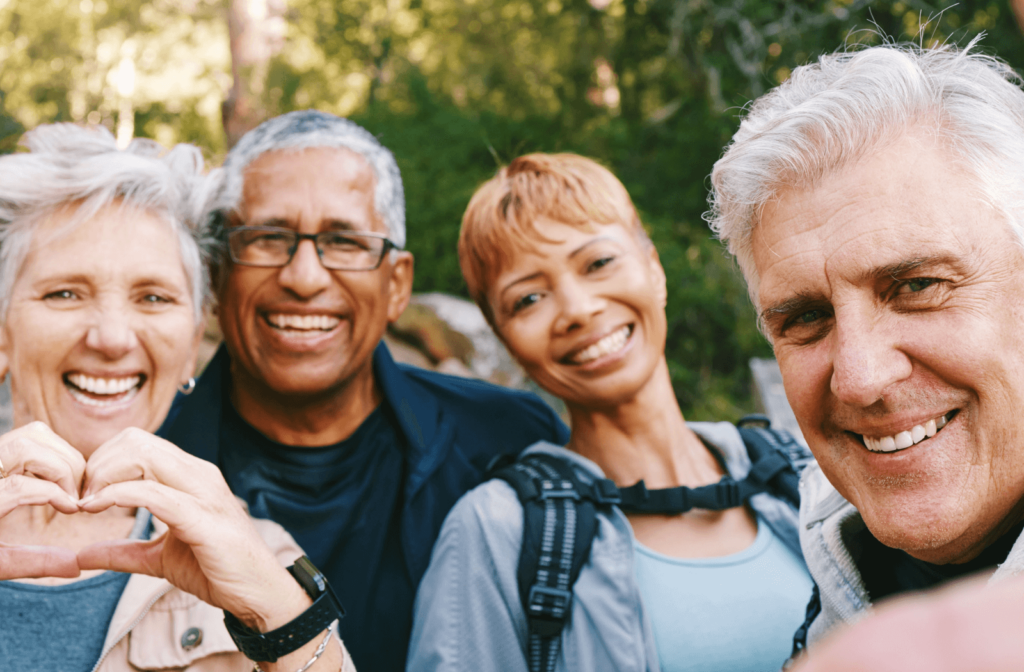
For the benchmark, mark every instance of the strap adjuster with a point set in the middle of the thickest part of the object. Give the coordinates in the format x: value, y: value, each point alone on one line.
x: 606, y: 492
x: 548, y: 609
x: 727, y: 492
x: 561, y: 490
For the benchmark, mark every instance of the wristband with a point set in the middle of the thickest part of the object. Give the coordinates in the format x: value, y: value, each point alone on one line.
x: 269, y: 646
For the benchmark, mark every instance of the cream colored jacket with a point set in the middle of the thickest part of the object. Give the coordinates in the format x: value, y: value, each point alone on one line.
x: 154, y: 623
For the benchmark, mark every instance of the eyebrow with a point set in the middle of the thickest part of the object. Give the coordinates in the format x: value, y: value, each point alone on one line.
x: 803, y: 301
x: 587, y: 244
x: 326, y: 224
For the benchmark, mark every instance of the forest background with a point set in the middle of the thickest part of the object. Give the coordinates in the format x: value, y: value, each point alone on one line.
x: 651, y: 88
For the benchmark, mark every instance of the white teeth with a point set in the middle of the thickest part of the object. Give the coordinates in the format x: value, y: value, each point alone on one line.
x: 103, y: 385
x: 303, y: 322
x: 100, y: 403
x: 905, y: 439
x: 611, y: 343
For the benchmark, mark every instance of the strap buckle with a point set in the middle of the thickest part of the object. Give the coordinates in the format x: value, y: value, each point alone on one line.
x: 548, y: 609
x: 606, y: 492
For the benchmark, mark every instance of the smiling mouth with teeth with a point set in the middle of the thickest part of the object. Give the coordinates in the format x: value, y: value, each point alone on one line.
x: 100, y: 392
x: 293, y: 322
x: 906, y: 439
x: 611, y: 343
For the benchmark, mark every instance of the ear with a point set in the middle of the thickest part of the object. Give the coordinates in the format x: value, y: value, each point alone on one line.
x: 658, y: 275
x: 399, y: 283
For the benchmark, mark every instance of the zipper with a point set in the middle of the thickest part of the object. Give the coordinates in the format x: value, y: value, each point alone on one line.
x: 138, y: 619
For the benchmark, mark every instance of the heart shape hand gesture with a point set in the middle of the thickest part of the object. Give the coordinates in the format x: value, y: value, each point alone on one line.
x: 211, y: 549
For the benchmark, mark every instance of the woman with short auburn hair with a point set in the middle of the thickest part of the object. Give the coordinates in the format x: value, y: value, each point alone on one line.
x: 102, y: 295
x: 555, y: 255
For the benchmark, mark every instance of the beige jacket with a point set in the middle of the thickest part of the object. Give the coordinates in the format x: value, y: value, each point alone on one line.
x: 154, y: 622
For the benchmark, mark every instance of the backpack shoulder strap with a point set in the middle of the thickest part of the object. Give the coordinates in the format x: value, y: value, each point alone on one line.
x: 559, y: 524
x: 777, y: 458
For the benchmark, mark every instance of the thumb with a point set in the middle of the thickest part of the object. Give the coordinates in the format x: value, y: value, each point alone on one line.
x: 125, y: 555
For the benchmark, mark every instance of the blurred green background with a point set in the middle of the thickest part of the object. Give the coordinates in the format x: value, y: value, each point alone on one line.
x: 651, y: 88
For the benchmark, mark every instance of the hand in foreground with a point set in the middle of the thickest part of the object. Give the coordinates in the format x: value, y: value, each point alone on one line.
x: 40, y: 468
x: 969, y: 627
x: 211, y: 548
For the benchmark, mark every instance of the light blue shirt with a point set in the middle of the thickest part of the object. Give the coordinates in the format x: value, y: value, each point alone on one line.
x: 734, y: 613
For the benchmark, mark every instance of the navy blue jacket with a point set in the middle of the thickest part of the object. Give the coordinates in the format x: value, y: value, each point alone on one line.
x: 452, y: 429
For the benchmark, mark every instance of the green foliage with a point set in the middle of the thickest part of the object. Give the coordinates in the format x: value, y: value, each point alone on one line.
x: 651, y: 88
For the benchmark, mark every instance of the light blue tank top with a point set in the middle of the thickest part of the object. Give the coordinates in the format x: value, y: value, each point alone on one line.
x: 735, y: 613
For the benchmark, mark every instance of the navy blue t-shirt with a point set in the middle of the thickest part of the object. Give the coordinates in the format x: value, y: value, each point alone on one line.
x: 343, y: 504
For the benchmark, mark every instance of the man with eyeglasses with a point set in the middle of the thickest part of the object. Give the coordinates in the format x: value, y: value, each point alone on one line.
x: 303, y: 408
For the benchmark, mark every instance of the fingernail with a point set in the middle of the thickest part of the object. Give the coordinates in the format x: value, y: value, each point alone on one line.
x: 86, y: 500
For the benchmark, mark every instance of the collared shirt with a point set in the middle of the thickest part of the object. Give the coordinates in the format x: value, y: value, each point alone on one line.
x: 431, y: 440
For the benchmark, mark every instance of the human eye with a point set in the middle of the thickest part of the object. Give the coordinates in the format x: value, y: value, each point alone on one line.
x: 61, y: 295
x: 342, y: 241
x: 525, y: 301
x: 915, y: 285
x: 155, y: 299
x: 599, y: 263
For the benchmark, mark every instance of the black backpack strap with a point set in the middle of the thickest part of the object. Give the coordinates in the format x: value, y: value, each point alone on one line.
x: 776, y: 458
x: 559, y: 524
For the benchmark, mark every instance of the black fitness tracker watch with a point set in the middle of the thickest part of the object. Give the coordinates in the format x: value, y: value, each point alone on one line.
x: 269, y: 646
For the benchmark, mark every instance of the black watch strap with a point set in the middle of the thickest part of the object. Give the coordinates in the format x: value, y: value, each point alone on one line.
x: 269, y: 646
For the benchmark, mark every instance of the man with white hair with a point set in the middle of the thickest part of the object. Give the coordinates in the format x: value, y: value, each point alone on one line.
x: 875, y: 203
x: 303, y: 409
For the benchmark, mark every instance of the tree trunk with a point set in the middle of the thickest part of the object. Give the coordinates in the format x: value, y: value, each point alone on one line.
x: 256, y: 30
x: 1018, y: 11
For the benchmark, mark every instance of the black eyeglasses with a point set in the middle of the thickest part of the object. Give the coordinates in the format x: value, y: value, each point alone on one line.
x: 270, y: 247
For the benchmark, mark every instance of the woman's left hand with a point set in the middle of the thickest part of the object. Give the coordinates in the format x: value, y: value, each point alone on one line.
x: 211, y: 549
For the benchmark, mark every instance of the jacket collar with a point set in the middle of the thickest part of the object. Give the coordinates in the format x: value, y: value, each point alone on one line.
x: 193, y: 422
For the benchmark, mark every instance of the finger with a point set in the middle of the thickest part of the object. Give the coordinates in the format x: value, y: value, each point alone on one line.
x: 23, y: 453
x: 33, y: 562
x: 123, y: 555
x: 135, y: 454
x: 180, y: 511
x: 19, y: 490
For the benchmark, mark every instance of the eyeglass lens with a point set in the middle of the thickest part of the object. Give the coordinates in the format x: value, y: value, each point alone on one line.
x: 274, y: 247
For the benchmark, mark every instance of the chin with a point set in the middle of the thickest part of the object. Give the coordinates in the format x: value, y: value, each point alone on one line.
x: 938, y: 533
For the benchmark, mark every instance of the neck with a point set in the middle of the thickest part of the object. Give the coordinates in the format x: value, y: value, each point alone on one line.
x: 644, y: 438
x: 318, y: 419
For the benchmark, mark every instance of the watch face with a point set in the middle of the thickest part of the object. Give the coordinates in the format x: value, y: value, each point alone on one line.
x: 312, y: 580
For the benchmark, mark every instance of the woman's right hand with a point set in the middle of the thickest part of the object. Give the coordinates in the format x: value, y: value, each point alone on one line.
x: 40, y: 468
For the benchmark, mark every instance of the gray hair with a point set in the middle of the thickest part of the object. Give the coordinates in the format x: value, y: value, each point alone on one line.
x: 830, y: 113
x: 299, y: 130
x: 69, y: 164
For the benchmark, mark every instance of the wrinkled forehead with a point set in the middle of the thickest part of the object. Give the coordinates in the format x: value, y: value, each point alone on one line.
x: 893, y: 207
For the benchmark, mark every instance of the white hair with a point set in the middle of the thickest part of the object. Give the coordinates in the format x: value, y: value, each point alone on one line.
x: 306, y: 129
x: 70, y: 164
x: 833, y: 112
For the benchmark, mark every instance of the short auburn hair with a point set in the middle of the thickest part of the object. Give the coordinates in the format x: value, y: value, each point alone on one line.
x: 503, y: 213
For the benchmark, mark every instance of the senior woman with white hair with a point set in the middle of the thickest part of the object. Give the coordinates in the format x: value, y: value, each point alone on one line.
x: 102, y: 293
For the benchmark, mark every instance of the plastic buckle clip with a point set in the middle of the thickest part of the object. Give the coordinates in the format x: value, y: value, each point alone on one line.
x: 605, y: 492
x: 546, y: 618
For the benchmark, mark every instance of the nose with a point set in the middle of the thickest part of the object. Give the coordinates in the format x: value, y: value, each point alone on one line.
x: 578, y: 305
x: 866, y: 359
x: 304, y: 275
x: 112, y: 333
